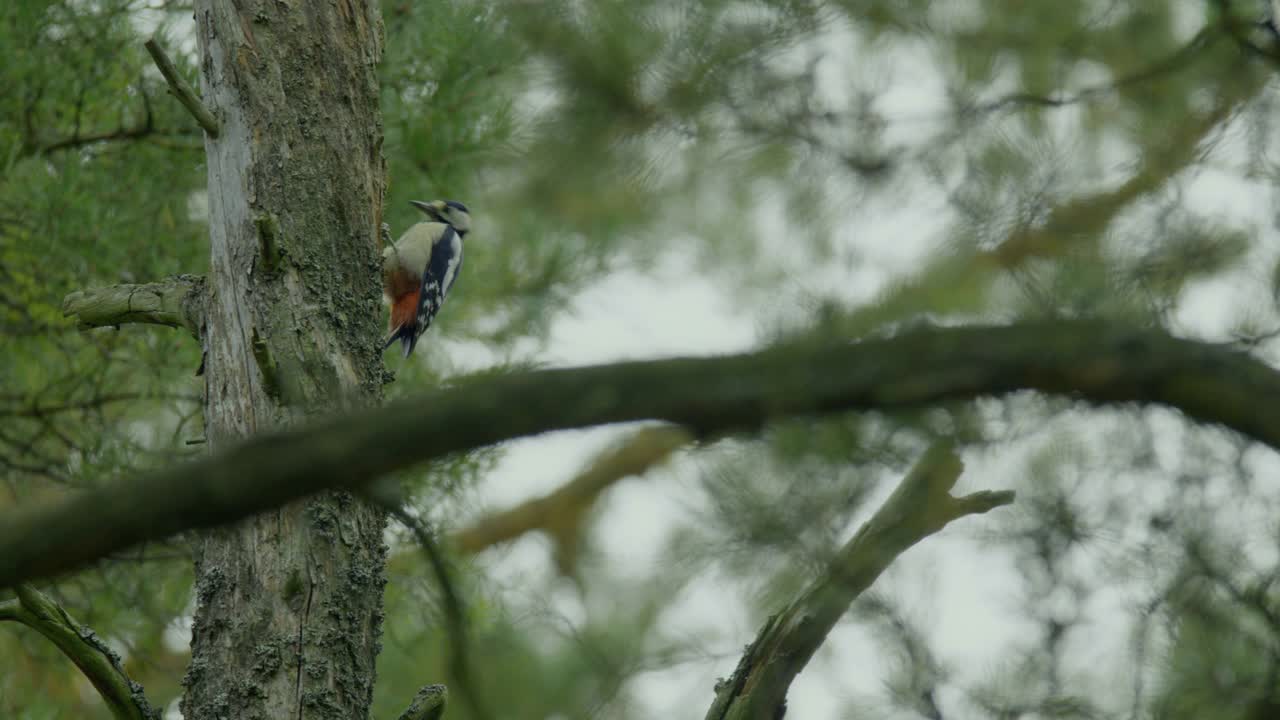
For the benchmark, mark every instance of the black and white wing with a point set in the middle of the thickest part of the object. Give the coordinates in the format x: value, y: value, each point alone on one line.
x: 437, y: 279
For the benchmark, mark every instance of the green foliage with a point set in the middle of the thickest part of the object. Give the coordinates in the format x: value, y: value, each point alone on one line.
x: 98, y: 168
x: 1043, y: 166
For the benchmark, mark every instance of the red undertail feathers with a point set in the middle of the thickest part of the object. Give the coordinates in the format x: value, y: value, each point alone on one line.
x: 404, y: 322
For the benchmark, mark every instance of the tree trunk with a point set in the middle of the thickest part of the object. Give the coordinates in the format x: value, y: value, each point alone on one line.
x: 289, y: 603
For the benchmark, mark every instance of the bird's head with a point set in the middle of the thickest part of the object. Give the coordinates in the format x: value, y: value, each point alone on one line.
x: 449, y: 212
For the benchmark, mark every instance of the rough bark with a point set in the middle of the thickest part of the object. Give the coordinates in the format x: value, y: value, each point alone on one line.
x: 1093, y: 361
x: 289, y: 602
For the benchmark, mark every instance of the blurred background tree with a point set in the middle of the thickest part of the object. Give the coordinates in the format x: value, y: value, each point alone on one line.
x: 659, y: 177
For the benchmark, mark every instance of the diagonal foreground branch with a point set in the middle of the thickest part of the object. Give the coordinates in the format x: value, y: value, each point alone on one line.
x: 177, y: 302
x: 920, y: 506
x: 1100, y: 362
x: 82, y: 646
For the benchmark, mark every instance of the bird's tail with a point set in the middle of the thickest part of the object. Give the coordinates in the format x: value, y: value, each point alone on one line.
x: 407, y: 337
x: 404, y: 324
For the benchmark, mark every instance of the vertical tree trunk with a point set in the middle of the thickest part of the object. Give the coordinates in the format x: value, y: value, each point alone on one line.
x: 289, y: 603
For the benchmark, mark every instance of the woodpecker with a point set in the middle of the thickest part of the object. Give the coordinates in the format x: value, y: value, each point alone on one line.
x: 420, y: 268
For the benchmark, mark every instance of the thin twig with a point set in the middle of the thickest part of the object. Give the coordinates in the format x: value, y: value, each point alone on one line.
x: 95, y: 403
x: 454, y: 609
x: 1173, y: 62
x: 181, y: 90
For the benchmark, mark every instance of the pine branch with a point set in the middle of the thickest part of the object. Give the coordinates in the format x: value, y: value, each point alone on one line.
x: 28, y: 407
x: 1074, y: 226
x: 430, y: 700
x: 1098, y: 362
x: 78, y: 141
x: 921, y: 506
x: 561, y: 512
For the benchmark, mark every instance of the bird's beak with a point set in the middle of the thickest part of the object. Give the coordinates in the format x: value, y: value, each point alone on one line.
x: 432, y: 209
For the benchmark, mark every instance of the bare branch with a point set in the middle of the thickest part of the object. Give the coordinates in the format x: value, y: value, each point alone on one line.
x: 1083, y: 219
x: 181, y: 90
x: 177, y: 302
x: 921, y: 506
x: 1099, y: 362
x: 561, y: 512
x: 28, y: 408
x: 132, y: 133
x: 82, y: 646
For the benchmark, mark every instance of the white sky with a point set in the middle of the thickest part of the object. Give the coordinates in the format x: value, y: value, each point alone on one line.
x: 969, y: 592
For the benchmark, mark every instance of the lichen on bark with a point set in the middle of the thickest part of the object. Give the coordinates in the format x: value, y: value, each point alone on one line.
x: 289, y: 609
